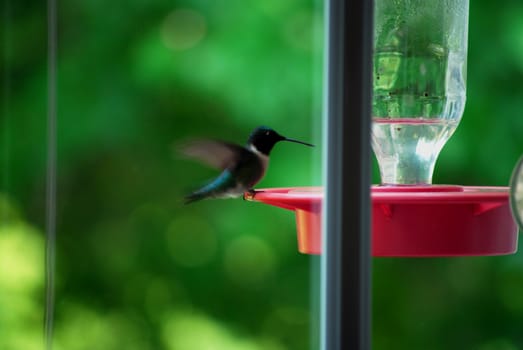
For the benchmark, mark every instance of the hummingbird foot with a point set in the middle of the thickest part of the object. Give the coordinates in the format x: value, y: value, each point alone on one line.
x: 249, y: 194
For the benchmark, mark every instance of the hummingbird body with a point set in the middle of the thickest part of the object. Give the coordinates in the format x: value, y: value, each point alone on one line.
x: 242, y: 167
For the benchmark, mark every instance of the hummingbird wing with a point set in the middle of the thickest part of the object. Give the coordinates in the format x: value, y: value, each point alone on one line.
x: 217, y: 154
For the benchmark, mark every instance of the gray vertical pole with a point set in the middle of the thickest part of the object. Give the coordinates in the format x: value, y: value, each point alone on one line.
x: 346, y: 291
x: 51, y: 173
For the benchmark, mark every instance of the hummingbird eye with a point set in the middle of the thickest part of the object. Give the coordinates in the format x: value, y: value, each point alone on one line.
x: 267, y: 133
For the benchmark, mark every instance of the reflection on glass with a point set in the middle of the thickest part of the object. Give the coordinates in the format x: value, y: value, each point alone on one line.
x: 516, y: 193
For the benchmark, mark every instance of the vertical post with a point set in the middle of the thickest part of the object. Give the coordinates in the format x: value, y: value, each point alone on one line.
x: 346, y: 260
x: 51, y: 173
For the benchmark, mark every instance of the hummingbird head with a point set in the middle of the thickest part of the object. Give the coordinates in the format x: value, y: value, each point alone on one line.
x: 263, y: 139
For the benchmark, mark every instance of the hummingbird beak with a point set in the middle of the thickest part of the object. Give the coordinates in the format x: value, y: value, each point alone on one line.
x: 297, y: 141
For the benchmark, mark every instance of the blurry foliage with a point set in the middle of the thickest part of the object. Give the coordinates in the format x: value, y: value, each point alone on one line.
x: 135, y: 268
x: 21, y: 281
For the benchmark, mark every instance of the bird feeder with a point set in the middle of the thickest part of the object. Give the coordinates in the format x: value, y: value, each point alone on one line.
x: 419, y: 91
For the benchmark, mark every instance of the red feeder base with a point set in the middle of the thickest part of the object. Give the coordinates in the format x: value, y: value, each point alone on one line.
x: 413, y: 221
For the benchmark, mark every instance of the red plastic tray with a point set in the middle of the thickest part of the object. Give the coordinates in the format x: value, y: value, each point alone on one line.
x: 413, y: 221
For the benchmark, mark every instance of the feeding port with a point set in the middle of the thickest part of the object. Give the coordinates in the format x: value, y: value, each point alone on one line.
x: 435, y: 221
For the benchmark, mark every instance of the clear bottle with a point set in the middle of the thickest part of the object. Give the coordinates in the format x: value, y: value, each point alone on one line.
x: 419, y: 84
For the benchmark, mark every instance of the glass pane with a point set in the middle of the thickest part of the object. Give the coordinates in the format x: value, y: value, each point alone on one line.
x: 136, y: 268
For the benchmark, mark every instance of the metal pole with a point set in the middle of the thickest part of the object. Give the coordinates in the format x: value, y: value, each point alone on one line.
x: 50, y: 258
x: 346, y: 280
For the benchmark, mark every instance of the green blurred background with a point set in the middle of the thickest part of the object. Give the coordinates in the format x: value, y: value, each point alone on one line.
x: 138, y: 270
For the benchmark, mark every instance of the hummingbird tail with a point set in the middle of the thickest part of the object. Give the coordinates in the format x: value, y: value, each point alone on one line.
x: 193, y: 197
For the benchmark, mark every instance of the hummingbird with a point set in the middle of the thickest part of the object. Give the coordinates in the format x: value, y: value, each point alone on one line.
x: 242, y: 166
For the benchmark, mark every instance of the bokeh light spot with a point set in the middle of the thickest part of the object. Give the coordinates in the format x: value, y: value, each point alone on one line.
x: 21, y: 257
x: 183, y: 29
x: 190, y: 330
x: 292, y: 315
x: 88, y: 328
x: 287, y: 319
x: 159, y: 294
x: 498, y: 344
x: 8, y: 211
x: 192, y: 241
x: 249, y: 261
x: 299, y: 29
